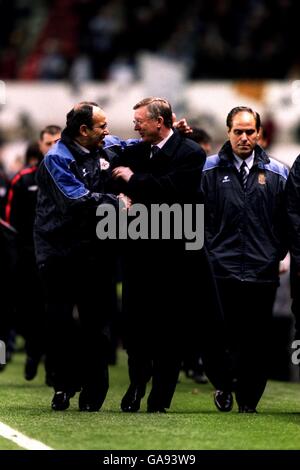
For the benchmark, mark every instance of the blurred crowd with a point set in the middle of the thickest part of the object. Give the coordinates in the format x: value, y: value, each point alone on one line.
x: 89, y: 39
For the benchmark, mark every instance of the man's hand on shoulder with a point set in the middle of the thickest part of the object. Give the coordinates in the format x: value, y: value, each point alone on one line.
x: 181, y: 125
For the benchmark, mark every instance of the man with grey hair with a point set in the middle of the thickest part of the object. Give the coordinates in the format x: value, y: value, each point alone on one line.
x: 162, y: 294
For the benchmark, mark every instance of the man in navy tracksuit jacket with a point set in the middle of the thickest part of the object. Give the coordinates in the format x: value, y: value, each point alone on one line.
x: 245, y: 223
x: 76, y: 269
x: 293, y: 209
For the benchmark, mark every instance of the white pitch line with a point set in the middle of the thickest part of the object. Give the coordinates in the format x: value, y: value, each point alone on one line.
x: 20, y: 439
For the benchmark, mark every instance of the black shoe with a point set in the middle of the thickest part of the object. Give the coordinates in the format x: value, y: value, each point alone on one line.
x: 247, y: 409
x: 155, y: 409
x: 223, y: 400
x: 131, y: 401
x: 31, y: 367
x: 89, y: 402
x: 61, y: 400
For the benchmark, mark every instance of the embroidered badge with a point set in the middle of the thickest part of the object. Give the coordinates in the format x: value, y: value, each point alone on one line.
x: 33, y: 187
x: 104, y: 164
x: 261, y: 178
x: 226, y: 179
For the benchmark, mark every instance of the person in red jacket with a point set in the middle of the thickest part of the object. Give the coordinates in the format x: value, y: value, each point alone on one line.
x: 20, y: 213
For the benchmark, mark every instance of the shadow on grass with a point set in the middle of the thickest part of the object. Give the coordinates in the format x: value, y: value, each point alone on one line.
x: 24, y: 385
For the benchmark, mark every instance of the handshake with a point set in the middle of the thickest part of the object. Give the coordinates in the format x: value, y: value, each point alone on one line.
x: 124, y: 173
x: 124, y: 201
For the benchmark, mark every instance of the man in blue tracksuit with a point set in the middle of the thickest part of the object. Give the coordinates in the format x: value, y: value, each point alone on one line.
x: 76, y: 269
x: 245, y: 223
x: 293, y: 209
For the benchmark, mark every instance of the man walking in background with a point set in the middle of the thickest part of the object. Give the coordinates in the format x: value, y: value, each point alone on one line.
x: 245, y: 233
x: 20, y: 213
x: 293, y: 209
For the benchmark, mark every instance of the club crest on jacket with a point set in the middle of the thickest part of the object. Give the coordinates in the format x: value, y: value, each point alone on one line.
x: 262, y: 178
x: 104, y: 164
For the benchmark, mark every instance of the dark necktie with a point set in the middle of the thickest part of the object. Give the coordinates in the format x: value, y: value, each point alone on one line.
x: 154, y: 150
x: 243, y: 174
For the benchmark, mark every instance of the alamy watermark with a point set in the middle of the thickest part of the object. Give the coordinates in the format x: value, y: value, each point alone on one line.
x: 157, y: 222
x: 2, y: 92
x: 296, y: 354
x: 2, y: 353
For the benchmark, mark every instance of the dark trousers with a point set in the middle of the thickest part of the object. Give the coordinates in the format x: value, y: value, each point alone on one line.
x: 30, y: 305
x: 78, y: 349
x: 170, y: 303
x: 162, y: 366
x: 248, y: 313
x: 295, y: 294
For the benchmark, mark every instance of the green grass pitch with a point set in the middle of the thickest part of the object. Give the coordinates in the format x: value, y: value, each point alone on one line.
x: 192, y: 422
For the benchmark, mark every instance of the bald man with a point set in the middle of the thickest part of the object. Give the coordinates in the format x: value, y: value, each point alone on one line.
x: 76, y: 268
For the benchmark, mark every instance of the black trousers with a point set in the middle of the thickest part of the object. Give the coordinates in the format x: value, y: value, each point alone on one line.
x: 78, y: 349
x: 170, y: 302
x: 248, y: 313
x: 295, y: 294
x: 30, y: 304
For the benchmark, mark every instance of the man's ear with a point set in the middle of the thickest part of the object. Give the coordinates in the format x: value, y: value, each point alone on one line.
x: 160, y: 121
x: 83, y: 130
